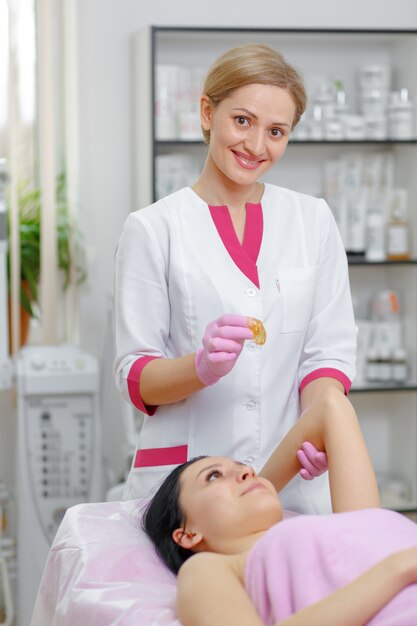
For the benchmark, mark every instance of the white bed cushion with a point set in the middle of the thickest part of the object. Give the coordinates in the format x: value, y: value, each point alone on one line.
x: 102, y: 570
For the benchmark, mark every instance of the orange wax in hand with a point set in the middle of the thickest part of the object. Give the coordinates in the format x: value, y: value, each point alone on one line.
x: 258, y: 330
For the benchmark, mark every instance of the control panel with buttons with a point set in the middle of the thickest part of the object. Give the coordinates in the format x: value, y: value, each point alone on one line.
x: 59, y: 443
x: 60, y: 446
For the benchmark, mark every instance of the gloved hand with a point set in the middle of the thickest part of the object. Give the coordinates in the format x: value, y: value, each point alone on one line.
x: 313, y: 461
x: 222, y: 343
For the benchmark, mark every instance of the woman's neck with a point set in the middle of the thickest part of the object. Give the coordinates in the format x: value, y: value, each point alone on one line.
x: 232, y: 546
x: 218, y: 190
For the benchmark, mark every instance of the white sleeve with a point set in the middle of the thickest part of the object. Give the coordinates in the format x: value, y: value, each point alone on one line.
x: 330, y: 342
x: 141, y: 303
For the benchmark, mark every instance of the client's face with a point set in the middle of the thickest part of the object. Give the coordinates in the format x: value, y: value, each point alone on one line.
x: 224, y: 501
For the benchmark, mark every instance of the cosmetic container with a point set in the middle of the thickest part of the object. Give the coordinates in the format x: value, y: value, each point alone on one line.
x: 401, y: 116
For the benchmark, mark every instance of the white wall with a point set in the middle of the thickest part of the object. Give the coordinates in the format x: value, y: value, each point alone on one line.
x: 106, y: 29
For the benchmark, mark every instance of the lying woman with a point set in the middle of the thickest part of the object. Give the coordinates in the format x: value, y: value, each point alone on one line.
x: 250, y: 567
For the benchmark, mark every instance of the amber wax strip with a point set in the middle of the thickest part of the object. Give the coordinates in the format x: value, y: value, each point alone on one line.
x: 258, y: 330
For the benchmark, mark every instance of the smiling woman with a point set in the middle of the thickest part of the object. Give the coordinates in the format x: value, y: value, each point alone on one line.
x: 197, y: 267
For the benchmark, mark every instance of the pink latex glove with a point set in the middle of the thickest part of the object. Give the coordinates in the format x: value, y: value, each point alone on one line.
x: 222, y: 343
x: 313, y: 461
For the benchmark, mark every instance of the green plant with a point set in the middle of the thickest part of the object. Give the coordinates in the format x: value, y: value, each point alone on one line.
x: 71, y: 255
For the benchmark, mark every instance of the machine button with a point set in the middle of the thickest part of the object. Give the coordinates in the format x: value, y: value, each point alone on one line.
x: 37, y: 363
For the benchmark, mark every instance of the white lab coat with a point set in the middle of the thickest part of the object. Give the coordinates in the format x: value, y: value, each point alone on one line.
x: 174, y: 275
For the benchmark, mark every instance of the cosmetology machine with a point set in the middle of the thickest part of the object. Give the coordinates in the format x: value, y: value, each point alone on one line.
x: 59, y: 458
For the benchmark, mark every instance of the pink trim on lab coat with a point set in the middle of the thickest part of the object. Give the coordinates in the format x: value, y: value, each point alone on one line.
x: 133, y: 384
x: 327, y: 372
x: 245, y: 254
x: 151, y: 457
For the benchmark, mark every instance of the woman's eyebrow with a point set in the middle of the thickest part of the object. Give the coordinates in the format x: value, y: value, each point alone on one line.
x: 255, y: 117
x: 246, y: 111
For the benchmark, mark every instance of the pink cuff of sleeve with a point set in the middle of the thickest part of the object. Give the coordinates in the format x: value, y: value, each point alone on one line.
x: 133, y: 384
x: 327, y: 372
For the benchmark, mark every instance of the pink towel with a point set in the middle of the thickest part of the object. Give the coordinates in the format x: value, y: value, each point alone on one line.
x: 304, y: 559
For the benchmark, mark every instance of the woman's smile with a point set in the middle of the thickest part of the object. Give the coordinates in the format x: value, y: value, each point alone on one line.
x: 246, y: 161
x: 255, y: 484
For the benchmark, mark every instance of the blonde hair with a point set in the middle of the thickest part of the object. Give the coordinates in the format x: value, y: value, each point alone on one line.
x: 249, y: 64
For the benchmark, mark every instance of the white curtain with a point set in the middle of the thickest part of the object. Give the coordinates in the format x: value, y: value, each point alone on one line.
x: 39, y: 138
x: 17, y: 122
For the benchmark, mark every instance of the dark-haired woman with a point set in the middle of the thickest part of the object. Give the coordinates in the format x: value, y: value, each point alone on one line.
x: 193, y: 267
x: 242, y: 565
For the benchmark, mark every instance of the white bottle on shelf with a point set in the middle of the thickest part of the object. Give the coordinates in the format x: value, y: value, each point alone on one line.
x: 356, y: 222
x: 166, y: 85
x: 375, y: 237
x: 371, y: 365
x: 384, y: 364
x: 398, y: 229
x: 399, y: 365
x: 401, y: 116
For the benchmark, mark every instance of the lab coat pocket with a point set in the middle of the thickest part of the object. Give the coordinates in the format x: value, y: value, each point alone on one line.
x: 297, y: 288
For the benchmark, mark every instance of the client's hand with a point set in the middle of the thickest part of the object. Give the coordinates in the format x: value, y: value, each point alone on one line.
x: 313, y: 461
x: 222, y: 343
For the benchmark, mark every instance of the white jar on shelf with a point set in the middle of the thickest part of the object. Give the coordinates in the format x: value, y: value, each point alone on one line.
x: 374, y: 76
x: 373, y: 101
x: 355, y: 127
x: 376, y: 126
x: 334, y: 129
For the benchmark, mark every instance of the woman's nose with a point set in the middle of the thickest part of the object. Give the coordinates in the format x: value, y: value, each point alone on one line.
x: 245, y: 472
x: 255, y: 142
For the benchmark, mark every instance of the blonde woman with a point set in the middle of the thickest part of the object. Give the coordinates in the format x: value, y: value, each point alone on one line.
x: 195, y: 268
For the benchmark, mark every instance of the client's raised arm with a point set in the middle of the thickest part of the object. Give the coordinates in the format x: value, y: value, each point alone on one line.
x: 331, y: 425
